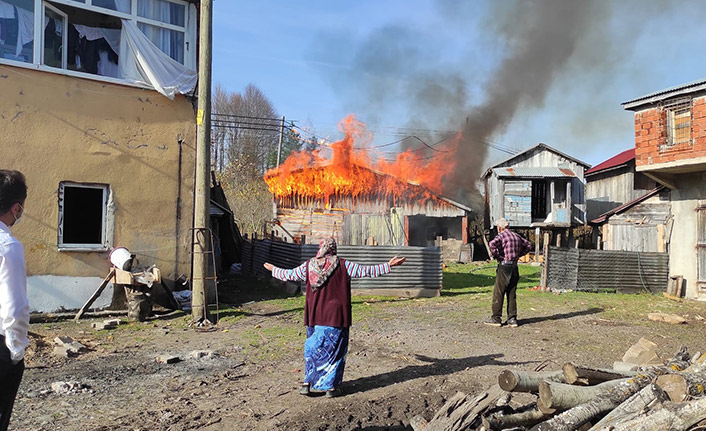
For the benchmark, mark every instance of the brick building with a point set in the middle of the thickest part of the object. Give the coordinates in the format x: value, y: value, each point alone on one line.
x: 670, y: 148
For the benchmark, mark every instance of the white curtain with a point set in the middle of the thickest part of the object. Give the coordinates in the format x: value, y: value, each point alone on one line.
x: 7, y: 11
x: 122, y: 6
x: 142, y: 62
x: 165, y: 39
x: 112, y: 36
x: 25, y: 33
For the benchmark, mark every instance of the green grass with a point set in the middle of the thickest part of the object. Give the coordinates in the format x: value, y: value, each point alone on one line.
x: 271, y: 327
x: 471, y: 278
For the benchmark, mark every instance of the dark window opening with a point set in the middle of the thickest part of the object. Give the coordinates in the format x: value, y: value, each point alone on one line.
x: 423, y: 230
x: 92, y: 41
x: 83, y: 215
x: 539, y: 199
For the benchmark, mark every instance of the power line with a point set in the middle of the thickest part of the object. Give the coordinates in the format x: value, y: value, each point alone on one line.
x: 215, y: 114
x: 232, y: 123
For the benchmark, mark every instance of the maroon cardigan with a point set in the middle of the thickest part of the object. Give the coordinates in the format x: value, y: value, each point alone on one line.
x: 330, y: 304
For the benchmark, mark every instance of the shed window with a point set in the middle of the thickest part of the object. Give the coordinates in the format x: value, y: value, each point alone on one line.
x: 701, y: 243
x: 82, y: 216
x: 679, y: 123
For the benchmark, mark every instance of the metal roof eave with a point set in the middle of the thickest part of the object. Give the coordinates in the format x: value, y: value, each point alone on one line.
x: 456, y: 204
x: 667, y: 93
x: 541, y: 145
x: 626, y: 206
x: 538, y: 172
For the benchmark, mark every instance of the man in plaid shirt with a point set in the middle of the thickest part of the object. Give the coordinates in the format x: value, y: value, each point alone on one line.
x: 507, y: 247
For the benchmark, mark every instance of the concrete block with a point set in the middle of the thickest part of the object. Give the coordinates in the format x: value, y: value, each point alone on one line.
x: 168, y: 359
x: 198, y: 354
x: 114, y: 322
x: 69, y: 343
x: 63, y: 352
x: 102, y: 325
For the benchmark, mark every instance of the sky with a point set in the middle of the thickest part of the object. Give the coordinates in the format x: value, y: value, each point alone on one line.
x: 551, y: 71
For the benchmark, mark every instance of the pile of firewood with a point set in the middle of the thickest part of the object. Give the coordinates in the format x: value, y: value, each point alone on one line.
x: 656, y: 397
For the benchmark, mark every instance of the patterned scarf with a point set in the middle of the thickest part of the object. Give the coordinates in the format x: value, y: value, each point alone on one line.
x: 322, y: 266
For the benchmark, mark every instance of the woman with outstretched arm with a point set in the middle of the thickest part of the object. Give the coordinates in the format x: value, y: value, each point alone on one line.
x: 327, y: 312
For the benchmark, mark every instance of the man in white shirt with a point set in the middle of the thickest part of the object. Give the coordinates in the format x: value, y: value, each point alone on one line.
x: 14, y: 305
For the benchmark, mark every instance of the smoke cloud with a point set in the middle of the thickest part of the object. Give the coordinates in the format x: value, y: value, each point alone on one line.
x: 404, y: 70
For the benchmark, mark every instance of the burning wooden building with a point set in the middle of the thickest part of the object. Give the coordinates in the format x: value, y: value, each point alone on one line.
x: 363, y: 203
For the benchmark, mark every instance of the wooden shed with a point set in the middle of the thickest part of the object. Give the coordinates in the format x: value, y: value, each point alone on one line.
x: 388, y: 211
x: 540, y: 187
x: 614, y: 182
x: 643, y: 224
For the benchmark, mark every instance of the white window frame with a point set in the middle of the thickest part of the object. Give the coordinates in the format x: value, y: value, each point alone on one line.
x: 678, y: 106
x: 64, y: 33
x: 189, y: 30
x: 106, y: 218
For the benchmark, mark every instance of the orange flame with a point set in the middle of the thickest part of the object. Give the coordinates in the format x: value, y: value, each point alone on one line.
x: 306, y: 177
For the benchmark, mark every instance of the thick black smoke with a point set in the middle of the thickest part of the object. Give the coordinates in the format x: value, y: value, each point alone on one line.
x: 542, y: 44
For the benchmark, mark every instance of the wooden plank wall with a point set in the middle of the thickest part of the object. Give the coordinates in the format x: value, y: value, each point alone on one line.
x: 641, y: 228
x: 518, y: 202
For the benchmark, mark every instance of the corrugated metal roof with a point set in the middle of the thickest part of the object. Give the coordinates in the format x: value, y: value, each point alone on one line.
x: 541, y: 172
x: 613, y: 162
x: 665, y: 94
x: 216, y: 209
x: 540, y: 146
x: 627, y: 205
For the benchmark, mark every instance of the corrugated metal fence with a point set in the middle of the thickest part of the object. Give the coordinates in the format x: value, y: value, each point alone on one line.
x: 596, y: 270
x: 422, y: 270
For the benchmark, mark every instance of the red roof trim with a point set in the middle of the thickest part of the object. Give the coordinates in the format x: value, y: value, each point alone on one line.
x: 614, y: 161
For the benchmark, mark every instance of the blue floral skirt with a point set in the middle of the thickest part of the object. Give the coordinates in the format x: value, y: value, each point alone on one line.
x: 325, y: 353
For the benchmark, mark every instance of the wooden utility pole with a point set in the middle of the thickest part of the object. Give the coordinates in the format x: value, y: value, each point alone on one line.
x: 202, y: 238
x: 279, y: 144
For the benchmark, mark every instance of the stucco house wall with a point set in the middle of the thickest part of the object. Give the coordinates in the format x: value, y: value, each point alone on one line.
x: 57, y: 128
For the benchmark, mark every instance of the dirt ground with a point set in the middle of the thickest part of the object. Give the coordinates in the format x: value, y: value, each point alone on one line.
x: 406, y: 357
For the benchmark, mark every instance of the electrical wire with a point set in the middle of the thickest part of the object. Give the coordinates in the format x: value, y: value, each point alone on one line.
x: 238, y: 124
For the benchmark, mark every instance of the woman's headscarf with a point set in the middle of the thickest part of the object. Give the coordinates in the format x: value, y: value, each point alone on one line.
x: 322, y: 266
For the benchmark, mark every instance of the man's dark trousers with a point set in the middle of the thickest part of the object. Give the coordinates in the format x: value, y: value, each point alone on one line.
x: 506, y: 279
x: 10, y: 377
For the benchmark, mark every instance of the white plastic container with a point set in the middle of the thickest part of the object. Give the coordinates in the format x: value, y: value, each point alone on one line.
x: 121, y: 258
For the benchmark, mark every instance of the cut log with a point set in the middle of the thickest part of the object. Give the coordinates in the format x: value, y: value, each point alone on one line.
x: 680, y: 386
x: 644, y: 352
x: 527, y: 381
x: 608, y: 400
x: 526, y: 418
x: 593, y: 376
x: 555, y: 397
x: 672, y: 417
x: 674, y: 385
x: 641, y: 401
x: 621, y: 366
x: 462, y: 411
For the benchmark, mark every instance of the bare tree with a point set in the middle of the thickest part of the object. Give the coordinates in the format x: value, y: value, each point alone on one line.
x: 245, y: 134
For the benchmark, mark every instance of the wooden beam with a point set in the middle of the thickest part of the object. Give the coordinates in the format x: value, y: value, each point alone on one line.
x: 464, y: 230
x: 661, y: 179
x: 537, y: 232
x: 96, y: 294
